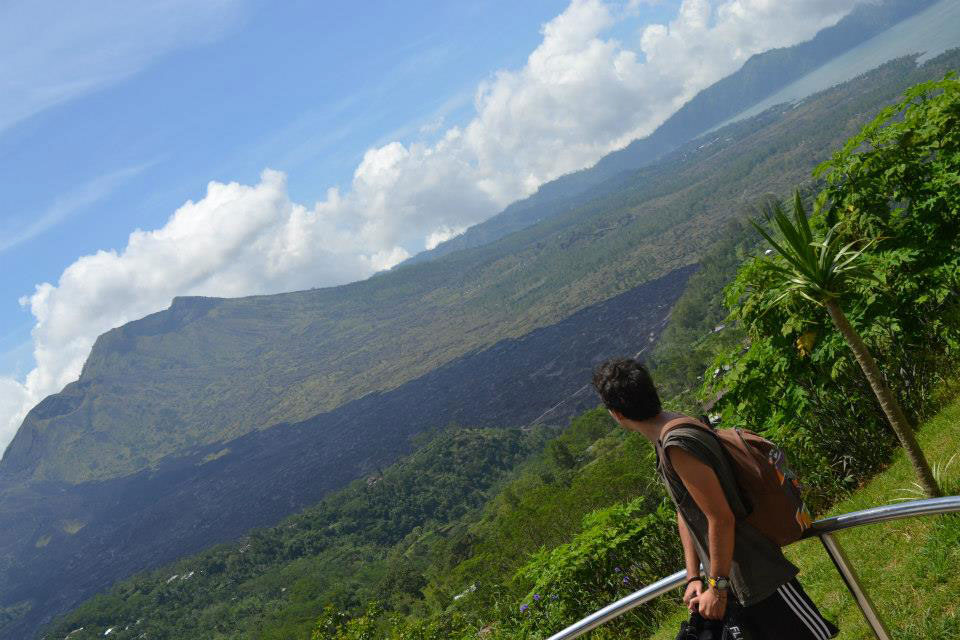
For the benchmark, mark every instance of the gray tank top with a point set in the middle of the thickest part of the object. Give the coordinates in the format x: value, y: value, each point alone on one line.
x: 759, y: 566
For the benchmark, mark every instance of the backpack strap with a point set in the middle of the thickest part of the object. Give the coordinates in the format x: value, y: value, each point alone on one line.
x: 676, y: 423
x: 684, y: 421
x: 724, y: 441
x: 745, y: 449
x: 737, y: 441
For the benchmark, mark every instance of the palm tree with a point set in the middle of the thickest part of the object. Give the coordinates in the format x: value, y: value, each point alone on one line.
x: 821, y: 271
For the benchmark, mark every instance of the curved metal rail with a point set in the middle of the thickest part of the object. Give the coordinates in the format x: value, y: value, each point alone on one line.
x: 823, y: 529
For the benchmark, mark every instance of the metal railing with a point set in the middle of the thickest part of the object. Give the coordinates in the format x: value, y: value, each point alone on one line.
x: 823, y: 529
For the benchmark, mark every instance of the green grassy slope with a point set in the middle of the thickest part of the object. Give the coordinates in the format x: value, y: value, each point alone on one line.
x: 170, y: 381
x: 911, y: 568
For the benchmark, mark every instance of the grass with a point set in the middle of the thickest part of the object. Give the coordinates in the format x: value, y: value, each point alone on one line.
x: 910, y: 568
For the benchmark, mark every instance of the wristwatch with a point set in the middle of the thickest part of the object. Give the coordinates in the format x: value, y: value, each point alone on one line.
x: 720, y: 583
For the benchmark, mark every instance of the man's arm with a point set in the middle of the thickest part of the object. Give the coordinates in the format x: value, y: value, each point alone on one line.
x: 704, y: 487
x: 692, y: 562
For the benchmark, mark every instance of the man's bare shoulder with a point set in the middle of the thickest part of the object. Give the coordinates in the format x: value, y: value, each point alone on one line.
x: 701, y: 481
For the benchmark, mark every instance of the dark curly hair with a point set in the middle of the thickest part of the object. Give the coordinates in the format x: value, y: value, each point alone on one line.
x: 625, y: 386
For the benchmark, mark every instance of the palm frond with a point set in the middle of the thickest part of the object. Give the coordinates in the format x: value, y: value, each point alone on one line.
x: 815, y: 269
x: 769, y: 238
x: 800, y: 218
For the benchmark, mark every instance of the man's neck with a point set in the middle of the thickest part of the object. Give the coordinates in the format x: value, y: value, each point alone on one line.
x: 651, y: 427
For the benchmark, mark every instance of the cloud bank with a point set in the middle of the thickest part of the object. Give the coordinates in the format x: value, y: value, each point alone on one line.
x: 580, y: 95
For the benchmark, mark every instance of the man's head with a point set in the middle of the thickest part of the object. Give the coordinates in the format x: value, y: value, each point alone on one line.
x: 626, y: 388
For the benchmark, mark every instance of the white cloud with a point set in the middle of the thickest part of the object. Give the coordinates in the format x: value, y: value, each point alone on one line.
x: 579, y: 96
x: 14, y: 401
x: 442, y: 234
x: 54, y: 51
x: 432, y: 126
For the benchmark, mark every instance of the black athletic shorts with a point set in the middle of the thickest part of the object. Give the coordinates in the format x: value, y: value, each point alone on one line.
x: 788, y: 614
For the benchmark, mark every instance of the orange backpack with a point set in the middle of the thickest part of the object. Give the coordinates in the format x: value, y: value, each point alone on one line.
x: 766, y: 482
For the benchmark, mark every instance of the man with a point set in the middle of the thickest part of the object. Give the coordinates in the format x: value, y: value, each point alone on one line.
x: 738, y: 561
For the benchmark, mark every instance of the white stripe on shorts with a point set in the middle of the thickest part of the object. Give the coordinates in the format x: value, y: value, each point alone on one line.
x: 813, y: 612
x: 801, y: 614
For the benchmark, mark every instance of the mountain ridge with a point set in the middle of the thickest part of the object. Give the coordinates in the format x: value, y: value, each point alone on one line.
x: 760, y: 76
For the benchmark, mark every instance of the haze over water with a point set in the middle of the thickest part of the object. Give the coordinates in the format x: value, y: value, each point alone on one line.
x: 930, y: 32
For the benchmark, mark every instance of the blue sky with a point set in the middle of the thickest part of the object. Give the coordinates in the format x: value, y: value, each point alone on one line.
x: 233, y: 147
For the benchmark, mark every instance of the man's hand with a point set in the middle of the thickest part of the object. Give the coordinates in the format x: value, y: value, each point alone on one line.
x: 694, y: 589
x: 711, y: 604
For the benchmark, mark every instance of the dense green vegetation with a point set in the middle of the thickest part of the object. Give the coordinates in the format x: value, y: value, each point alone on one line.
x: 892, y: 188
x: 821, y: 269
x: 452, y: 544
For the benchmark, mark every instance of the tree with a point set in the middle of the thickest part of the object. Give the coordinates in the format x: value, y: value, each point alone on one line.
x: 560, y: 454
x: 821, y: 271
x: 897, y: 183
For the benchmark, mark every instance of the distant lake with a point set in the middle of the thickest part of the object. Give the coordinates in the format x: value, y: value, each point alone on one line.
x: 930, y: 32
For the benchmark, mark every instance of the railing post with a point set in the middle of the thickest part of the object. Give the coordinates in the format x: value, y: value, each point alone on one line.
x: 849, y: 575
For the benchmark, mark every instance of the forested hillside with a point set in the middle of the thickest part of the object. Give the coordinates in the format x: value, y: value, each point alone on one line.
x: 336, y: 551
x: 386, y: 537
x: 60, y: 541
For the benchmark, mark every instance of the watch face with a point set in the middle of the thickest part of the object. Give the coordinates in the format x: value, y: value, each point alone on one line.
x: 719, y: 583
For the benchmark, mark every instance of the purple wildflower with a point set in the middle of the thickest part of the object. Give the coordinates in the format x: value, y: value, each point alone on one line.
x: 524, y: 607
x: 616, y: 569
x: 626, y: 580
x: 536, y: 596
